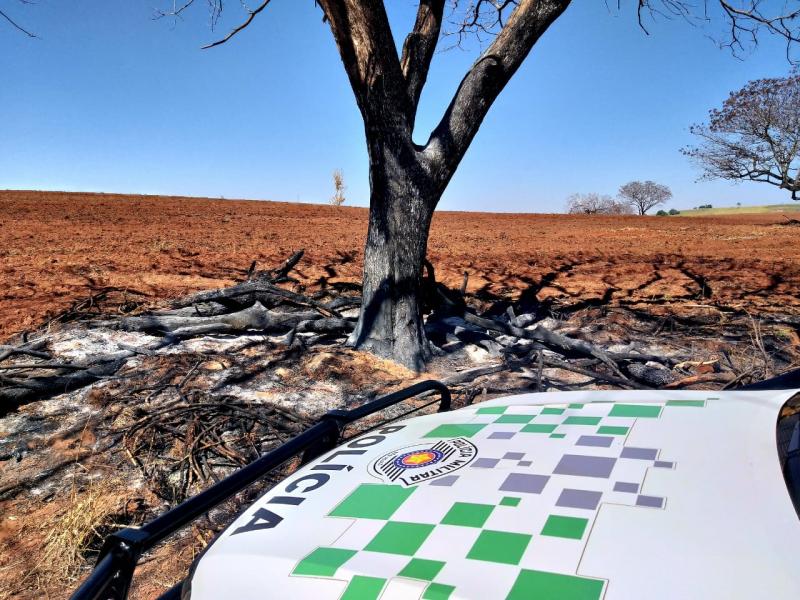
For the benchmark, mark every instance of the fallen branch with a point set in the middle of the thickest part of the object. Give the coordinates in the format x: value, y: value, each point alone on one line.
x: 192, y: 438
x: 464, y: 282
x: 260, y: 292
x: 42, y: 365
x: 564, y: 345
x: 255, y: 317
x: 789, y: 221
x: 472, y: 374
x: 555, y: 363
x: 29, y: 349
x: 259, y: 287
x: 703, y: 378
x: 326, y: 326
x: 288, y: 265
x: 21, y: 391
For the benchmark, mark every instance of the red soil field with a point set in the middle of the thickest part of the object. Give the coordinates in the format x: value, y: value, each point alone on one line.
x: 58, y: 248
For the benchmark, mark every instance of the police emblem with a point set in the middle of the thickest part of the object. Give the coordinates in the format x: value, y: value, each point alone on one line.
x: 416, y: 464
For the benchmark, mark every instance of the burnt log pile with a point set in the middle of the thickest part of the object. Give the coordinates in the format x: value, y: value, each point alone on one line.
x: 525, y: 343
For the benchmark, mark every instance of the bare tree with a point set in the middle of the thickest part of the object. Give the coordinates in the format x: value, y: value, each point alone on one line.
x: 586, y: 204
x: 617, y: 207
x: 755, y: 136
x: 644, y: 195
x: 596, y: 204
x: 407, y: 179
x: 339, y: 187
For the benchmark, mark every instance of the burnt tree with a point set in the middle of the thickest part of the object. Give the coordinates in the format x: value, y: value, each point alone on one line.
x: 407, y: 180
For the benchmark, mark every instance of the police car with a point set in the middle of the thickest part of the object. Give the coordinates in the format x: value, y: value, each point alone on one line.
x: 571, y: 495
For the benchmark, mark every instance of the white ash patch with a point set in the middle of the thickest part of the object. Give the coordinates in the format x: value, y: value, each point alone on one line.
x: 508, y: 340
x: 12, y: 424
x: 477, y: 355
x: 309, y: 403
x: 81, y: 343
x: 71, y: 405
x: 653, y: 348
x: 569, y: 378
x: 547, y: 323
x: 217, y: 344
x: 656, y: 365
x: 46, y: 417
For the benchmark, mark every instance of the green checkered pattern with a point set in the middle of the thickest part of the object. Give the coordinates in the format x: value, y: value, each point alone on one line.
x: 500, y: 416
x: 379, y: 501
x: 503, y: 549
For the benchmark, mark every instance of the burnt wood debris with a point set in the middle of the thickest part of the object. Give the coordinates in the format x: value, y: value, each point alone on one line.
x: 28, y: 372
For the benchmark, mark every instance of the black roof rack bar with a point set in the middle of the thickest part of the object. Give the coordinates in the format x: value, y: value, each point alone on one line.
x: 173, y: 593
x: 787, y: 381
x: 111, y: 577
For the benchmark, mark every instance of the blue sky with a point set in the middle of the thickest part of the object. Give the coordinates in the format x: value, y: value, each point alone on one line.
x: 109, y: 99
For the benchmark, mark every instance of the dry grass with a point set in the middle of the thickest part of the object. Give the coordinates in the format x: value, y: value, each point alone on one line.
x: 78, y: 530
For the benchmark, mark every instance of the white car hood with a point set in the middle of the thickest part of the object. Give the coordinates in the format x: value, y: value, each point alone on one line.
x: 558, y: 495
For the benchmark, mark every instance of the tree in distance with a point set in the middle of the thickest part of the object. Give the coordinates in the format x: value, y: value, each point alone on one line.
x: 644, y: 195
x: 755, y: 136
x: 339, y: 187
x: 596, y: 204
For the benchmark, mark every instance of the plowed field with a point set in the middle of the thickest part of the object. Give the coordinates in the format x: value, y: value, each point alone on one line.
x: 57, y: 249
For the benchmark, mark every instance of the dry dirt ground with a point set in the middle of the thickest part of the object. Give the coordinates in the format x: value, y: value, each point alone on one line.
x: 57, y: 249
x: 83, y: 253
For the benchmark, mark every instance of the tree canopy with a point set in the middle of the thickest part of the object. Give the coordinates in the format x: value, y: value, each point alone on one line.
x: 755, y: 136
x: 644, y: 195
x: 596, y: 204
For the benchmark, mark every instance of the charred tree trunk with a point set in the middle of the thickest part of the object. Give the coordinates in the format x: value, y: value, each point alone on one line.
x: 402, y: 202
x: 407, y: 180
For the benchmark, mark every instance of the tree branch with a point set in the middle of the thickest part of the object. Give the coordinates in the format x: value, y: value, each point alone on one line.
x: 17, y: 25
x: 366, y: 46
x: 419, y: 48
x: 484, y: 82
x: 251, y: 15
